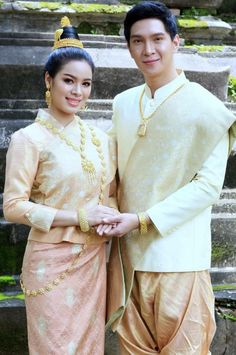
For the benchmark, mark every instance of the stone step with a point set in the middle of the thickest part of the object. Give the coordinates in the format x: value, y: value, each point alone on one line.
x: 181, y: 4
x: 23, y: 16
x: 13, y: 107
x: 21, y: 71
x: 101, y: 120
x: 13, y: 239
x: 13, y: 321
x: 46, y: 40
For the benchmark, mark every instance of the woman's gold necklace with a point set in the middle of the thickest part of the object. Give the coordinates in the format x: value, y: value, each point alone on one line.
x: 87, y: 165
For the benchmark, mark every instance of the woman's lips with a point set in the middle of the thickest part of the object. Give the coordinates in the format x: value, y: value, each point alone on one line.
x: 73, y: 102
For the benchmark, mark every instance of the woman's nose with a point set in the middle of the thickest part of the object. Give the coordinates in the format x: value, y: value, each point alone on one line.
x: 77, y: 89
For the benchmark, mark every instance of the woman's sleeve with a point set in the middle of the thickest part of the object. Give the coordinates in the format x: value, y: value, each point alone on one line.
x: 21, y: 168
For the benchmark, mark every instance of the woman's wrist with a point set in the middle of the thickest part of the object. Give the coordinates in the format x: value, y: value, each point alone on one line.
x: 82, y: 220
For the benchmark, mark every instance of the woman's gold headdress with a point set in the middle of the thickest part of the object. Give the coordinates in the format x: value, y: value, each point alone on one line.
x: 65, y: 42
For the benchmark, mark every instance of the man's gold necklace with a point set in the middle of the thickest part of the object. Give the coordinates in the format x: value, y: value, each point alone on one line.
x: 142, y: 129
x: 143, y: 125
x: 87, y: 165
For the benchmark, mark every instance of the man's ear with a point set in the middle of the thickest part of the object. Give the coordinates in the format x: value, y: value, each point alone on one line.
x: 176, y: 42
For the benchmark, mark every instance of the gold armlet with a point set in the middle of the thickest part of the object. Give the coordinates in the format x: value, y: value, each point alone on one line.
x: 83, y: 223
x: 143, y: 226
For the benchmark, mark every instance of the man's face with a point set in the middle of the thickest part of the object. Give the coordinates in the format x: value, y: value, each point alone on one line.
x: 152, y: 48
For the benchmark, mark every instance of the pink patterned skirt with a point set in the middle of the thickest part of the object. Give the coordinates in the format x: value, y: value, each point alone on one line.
x: 65, y: 296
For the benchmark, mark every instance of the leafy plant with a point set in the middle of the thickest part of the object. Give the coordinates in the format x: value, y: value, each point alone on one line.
x: 232, y: 88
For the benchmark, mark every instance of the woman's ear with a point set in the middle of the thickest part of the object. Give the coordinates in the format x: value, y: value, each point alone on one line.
x: 47, y: 80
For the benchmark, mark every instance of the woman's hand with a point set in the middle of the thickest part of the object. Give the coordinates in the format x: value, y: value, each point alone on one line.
x: 97, y: 214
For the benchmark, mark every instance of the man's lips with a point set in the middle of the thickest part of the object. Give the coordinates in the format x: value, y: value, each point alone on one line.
x: 73, y: 102
x: 150, y: 61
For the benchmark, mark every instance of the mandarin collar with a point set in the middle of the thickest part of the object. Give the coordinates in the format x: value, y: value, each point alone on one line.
x: 167, y: 89
x: 46, y: 116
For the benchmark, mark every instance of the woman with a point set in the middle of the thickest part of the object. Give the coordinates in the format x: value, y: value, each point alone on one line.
x: 58, y: 175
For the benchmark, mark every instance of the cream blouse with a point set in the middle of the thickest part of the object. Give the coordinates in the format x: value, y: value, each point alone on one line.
x: 44, y: 174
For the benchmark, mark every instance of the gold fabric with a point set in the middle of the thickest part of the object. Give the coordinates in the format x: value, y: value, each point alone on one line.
x: 44, y: 174
x: 168, y: 314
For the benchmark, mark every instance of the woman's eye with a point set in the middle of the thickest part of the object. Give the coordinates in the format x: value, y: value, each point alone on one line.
x: 87, y: 83
x: 68, y: 81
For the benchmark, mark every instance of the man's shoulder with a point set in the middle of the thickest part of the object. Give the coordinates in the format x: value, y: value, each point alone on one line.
x: 127, y: 94
x: 196, y: 92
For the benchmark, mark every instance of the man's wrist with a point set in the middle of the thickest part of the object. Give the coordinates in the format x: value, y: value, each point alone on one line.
x: 144, y: 221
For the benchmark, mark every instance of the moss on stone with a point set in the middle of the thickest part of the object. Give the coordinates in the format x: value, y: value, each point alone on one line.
x: 18, y: 296
x: 224, y: 287
x: 204, y: 48
x: 99, y: 8
x: 50, y: 5
x: 79, y: 8
x: 191, y: 23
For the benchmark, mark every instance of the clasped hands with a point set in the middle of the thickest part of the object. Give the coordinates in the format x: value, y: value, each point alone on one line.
x: 110, y: 222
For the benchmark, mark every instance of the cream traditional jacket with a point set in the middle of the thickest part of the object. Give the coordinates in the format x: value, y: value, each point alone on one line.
x: 175, y: 172
x: 44, y: 174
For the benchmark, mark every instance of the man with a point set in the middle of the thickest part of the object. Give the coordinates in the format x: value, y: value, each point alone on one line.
x: 173, y: 139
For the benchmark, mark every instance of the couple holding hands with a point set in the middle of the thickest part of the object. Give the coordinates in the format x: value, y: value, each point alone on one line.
x: 147, y: 185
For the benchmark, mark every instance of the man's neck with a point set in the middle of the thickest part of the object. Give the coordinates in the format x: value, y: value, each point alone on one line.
x: 157, y: 82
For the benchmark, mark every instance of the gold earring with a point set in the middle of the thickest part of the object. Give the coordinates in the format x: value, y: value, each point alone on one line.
x: 84, y: 108
x: 48, y: 98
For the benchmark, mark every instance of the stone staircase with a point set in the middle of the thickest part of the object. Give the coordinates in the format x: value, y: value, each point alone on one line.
x: 26, y: 34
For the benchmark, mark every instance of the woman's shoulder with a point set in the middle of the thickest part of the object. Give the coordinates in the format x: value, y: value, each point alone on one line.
x: 31, y: 134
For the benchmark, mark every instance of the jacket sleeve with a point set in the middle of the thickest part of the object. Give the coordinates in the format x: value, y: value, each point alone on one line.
x: 196, y: 196
x: 21, y: 168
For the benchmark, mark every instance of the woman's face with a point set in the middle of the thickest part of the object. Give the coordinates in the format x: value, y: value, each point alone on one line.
x: 70, y: 89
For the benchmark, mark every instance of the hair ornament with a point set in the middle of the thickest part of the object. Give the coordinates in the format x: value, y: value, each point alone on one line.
x: 65, y: 22
x: 65, y: 42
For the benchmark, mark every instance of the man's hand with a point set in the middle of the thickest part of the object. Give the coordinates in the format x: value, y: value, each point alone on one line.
x: 96, y: 215
x: 119, y: 225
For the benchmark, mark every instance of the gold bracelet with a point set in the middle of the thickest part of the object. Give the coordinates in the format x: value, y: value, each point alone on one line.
x: 83, y: 223
x: 143, y: 227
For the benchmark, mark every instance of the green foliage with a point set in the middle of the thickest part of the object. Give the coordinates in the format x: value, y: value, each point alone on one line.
x: 232, y: 88
x: 221, y: 253
x: 229, y: 316
x: 7, y: 280
x: 197, y: 12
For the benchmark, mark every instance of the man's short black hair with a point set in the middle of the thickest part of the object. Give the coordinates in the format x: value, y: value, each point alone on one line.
x: 150, y: 9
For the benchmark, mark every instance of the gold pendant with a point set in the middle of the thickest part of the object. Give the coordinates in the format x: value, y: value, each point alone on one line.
x: 142, y: 129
